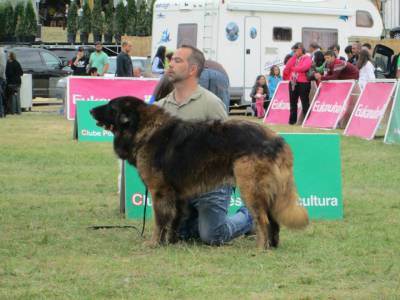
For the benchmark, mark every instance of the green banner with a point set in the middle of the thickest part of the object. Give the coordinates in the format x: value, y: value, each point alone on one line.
x: 87, y: 129
x: 317, y: 172
x: 392, y: 135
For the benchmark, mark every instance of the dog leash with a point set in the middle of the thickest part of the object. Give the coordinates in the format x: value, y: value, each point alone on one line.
x: 97, y: 227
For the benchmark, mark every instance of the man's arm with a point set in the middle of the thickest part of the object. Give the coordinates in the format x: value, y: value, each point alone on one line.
x: 106, y: 64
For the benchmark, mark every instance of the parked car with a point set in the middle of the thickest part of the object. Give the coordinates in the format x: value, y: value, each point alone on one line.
x: 67, y: 52
x: 46, y: 68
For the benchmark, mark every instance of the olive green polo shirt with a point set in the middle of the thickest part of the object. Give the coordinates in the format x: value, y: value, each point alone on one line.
x: 202, y: 105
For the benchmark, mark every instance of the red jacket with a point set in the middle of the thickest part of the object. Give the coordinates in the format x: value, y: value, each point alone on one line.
x: 300, y: 66
x: 341, y: 70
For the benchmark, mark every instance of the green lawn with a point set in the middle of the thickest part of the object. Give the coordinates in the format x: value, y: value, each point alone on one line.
x: 52, y: 188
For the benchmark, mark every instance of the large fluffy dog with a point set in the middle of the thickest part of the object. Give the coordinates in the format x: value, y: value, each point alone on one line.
x: 178, y: 160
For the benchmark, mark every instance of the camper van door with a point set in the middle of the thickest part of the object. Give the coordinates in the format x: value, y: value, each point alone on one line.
x: 252, y: 53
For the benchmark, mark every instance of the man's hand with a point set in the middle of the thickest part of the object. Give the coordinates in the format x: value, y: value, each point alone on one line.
x: 317, y: 76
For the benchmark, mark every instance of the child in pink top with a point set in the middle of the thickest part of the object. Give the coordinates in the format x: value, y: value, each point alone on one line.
x: 260, y: 98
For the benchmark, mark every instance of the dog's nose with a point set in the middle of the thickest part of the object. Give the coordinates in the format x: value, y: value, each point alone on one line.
x: 91, y: 111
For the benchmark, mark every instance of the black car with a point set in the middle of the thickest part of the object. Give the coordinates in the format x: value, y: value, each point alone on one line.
x: 46, y: 68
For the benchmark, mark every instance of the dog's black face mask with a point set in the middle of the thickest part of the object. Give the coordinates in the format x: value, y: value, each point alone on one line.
x: 121, y: 117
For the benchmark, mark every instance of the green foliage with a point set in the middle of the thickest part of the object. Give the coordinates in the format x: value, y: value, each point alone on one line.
x: 9, y: 19
x: 72, y: 18
x: 2, y: 22
x: 30, y: 22
x: 142, y: 20
x: 19, y: 20
x: 120, y: 19
x: 131, y: 18
x: 97, y: 18
x: 109, y: 18
x: 85, y: 24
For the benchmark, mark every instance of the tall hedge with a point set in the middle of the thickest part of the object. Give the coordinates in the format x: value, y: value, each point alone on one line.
x: 141, y: 21
x: 97, y: 18
x: 131, y: 18
x: 30, y: 22
x: 72, y: 18
x: 9, y: 19
x: 85, y: 24
x: 109, y: 17
x: 120, y: 19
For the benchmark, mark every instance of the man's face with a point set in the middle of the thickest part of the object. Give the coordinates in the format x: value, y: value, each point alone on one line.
x: 137, y: 72
x: 98, y: 48
x: 128, y: 48
x: 179, y: 67
x: 329, y: 59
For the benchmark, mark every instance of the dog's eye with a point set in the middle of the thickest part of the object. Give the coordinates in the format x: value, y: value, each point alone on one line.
x: 123, y: 119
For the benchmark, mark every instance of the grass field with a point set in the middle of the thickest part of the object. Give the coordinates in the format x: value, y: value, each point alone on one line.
x: 52, y: 188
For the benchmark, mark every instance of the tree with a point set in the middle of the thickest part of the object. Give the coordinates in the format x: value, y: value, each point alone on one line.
x: 142, y: 20
x: 72, y: 18
x: 131, y: 18
x: 30, y: 22
x: 19, y: 20
x: 85, y: 25
x: 119, y: 20
x: 9, y: 20
x: 109, y: 18
x: 150, y: 18
x: 97, y: 19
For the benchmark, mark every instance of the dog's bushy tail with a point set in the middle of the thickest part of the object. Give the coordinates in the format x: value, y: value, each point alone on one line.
x: 293, y: 216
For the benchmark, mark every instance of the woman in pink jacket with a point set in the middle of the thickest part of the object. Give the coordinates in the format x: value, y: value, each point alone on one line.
x: 299, y: 86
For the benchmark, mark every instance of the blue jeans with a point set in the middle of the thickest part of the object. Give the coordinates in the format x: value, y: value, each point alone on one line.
x: 208, y: 218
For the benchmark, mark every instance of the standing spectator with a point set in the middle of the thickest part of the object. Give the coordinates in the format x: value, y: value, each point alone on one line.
x: 314, y: 47
x: 158, y: 65
x: 273, y: 79
x: 349, y: 53
x: 367, y: 69
x: 355, y: 50
x: 3, y: 84
x: 318, y: 66
x: 299, y: 85
x: 80, y: 63
x: 215, y: 79
x: 124, y: 62
x: 260, y: 82
x: 336, y: 48
x: 99, y: 60
x: 337, y: 69
x: 286, y: 71
x: 368, y: 47
x: 260, y: 99
x: 13, y: 75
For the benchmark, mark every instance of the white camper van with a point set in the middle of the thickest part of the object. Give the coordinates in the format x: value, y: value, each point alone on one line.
x: 248, y: 37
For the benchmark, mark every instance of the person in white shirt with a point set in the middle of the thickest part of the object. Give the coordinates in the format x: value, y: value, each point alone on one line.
x: 366, y: 67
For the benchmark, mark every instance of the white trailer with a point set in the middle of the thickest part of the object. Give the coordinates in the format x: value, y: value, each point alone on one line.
x: 248, y: 37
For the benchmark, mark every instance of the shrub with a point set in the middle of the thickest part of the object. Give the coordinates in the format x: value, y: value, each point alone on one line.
x: 131, y: 17
x: 120, y: 19
x: 97, y: 18
x: 85, y: 24
x: 30, y: 22
x: 109, y: 18
x: 72, y: 19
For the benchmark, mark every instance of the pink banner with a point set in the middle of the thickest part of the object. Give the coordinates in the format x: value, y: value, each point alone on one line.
x: 100, y: 89
x: 370, y: 109
x: 329, y: 104
x: 279, y: 108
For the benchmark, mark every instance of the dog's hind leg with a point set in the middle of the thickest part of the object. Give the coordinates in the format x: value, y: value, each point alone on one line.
x: 255, y: 196
x: 273, y: 231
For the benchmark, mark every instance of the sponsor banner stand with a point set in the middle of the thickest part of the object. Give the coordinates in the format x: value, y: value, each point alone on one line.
x: 392, y: 135
x: 279, y: 108
x: 86, y: 88
x: 317, y: 172
x: 330, y: 104
x: 370, y: 109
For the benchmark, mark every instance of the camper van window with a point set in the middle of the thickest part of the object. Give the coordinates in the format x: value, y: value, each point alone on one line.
x: 324, y: 37
x: 282, y: 34
x: 364, y: 19
x: 187, y: 35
